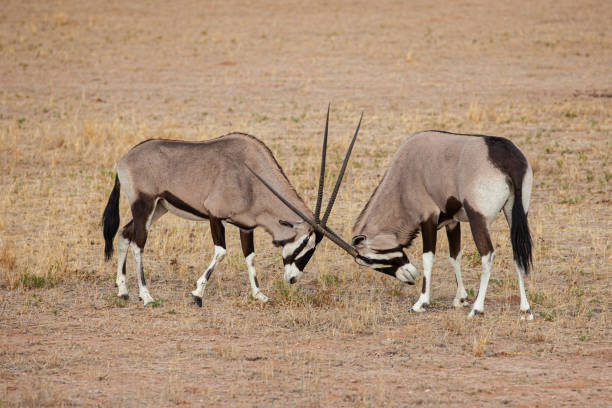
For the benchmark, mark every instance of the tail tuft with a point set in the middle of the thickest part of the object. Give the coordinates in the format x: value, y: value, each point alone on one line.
x: 520, y: 236
x: 110, y: 219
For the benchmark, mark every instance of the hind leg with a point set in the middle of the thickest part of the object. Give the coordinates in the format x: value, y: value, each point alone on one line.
x: 126, y: 236
x: 218, y: 235
x: 453, y: 233
x: 525, y: 308
x: 480, y: 232
x: 123, y: 243
x: 248, y: 250
x: 145, y: 211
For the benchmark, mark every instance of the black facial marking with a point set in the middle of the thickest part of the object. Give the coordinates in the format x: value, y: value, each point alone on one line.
x: 283, y: 242
x: 291, y: 258
x: 303, y: 261
x: 285, y: 223
x: 358, y: 239
x: 394, y: 263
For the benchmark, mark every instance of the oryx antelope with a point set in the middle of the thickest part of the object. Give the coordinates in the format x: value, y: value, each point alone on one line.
x: 207, y: 180
x: 439, y: 179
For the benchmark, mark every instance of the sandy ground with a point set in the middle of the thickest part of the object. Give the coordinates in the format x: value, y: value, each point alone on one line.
x: 81, y: 82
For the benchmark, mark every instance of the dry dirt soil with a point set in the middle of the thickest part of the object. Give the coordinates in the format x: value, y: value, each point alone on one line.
x: 83, y: 81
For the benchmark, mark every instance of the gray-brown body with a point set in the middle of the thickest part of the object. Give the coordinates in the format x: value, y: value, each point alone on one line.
x: 210, y: 178
x: 207, y: 180
x: 440, y: 179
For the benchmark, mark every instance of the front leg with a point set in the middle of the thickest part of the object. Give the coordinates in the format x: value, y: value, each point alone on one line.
x: 429, y: 234
x: 218, y: 235
x: 248, y: 249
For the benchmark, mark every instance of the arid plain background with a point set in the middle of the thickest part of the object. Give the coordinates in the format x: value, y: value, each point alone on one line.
x: 82, y: 82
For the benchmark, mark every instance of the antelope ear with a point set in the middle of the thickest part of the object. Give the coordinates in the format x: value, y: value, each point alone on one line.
x: 383, y: 241
x: 285, y: 223
x: 358, y: 240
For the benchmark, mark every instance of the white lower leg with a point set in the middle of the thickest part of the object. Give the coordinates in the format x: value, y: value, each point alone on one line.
x: 428, y: 260
x: 122, y: 248
x: 255, y: 292
x: 487, y: 262
x: 143, y: 292
x: 525, y: 308
x: 201, y: 283
x: 461, y: 295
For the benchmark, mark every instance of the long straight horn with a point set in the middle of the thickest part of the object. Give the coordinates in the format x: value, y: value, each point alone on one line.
x: 318, y: 228
x: 340, y: 175
x: 317, y: 211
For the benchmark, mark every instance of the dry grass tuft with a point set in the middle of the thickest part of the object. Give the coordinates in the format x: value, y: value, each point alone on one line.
x: 82, y: 83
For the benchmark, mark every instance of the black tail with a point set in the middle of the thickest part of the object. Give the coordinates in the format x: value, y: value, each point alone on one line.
x: 519, y: 233
x: 110, y: 219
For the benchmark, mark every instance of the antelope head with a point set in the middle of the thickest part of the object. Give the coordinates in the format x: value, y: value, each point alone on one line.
x: 309, y: 233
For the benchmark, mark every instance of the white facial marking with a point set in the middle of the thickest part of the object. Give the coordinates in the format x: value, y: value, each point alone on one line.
x: 308, y: 247
x: 407, y: 273
x: 291, y: 271
x: 487, y: 262
x: 290, y: 248
x: 255, y: 292
x: 428, y: 260
x: 384, y: 257
x: 201, y: 283
x: 461, y: 295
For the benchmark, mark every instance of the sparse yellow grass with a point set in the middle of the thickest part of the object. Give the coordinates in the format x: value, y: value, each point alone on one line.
x: 82, y: 84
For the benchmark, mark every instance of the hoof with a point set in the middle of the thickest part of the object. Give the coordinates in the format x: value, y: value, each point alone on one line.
x: 419, y: 310
x: 460, y: 303
x: 125, y: 296
x: 475, y: 312
x: 261, y: 297
x: 527, y: 315
x: 197, y: 300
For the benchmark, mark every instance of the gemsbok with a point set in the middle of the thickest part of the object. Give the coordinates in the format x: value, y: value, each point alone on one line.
x: 207, y: 180
x: 439, y: 179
